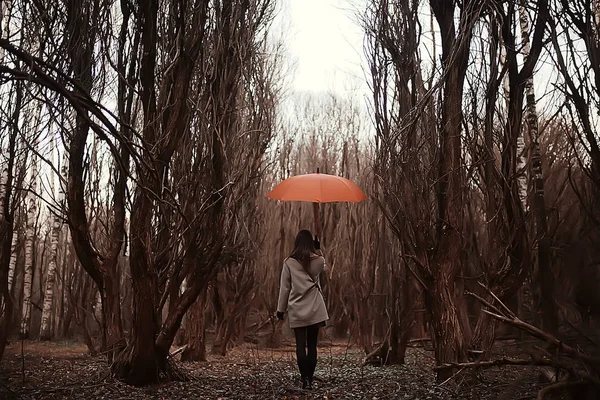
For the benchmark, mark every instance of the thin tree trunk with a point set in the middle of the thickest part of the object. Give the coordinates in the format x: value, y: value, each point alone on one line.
x: 13, y: 260
x: 3, y: 187
x: 484, y: 334
x: 30, y: 235
x: 521, y: 159
x: 7, y: 182
x: 6, y: 231
x: 543, y: 273
x: 45, y: 328
x: 28, y: 268
x: 485, y: 328
x: 5, y: 16
x: 81, y: 305
x: 101, y: 268
x: 62, y: 304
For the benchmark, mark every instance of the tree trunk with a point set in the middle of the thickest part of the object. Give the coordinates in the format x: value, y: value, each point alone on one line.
x: 13, y: 261
x: 445, y: 329
x: 484, y: 334
x: 102, y: 269
x: 400, y: 330
x: 521, y: 170
x: 543, y: 273
x: 6, y: 233
x: 111, y: 313
x: 406, y: 317
x: 28, y: 267
x: 195, y: 333
x: 140, y: 364
x: 81, y: 305
x: 7, y: 313
x: 447, y: 333
x: 45, y: 328
x: 7, y: 182
x: 63, y: 302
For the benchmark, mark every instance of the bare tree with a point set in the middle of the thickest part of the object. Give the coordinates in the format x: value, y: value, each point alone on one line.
x: 509, y: 259
x: 12, y: 100
x: 30, y: 230
x: 544, y: 276
x: 212, y: 153
x: 398, y: 87
x: 580, y: 27
x: 401, y: 139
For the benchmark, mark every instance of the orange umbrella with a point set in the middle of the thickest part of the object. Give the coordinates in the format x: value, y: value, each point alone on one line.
x: 317, y: 188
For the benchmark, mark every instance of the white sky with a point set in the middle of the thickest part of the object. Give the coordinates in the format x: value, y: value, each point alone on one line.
x: 324, y: 41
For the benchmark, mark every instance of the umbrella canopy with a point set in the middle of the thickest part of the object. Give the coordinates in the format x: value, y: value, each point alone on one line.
x: 317, y: 188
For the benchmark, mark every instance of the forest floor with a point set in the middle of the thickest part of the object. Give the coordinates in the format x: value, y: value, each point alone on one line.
x: 63, y: 370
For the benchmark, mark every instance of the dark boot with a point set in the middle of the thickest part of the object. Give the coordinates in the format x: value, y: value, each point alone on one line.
x: 309, y: 384
x: 306, y: 385
x: 303, y: 367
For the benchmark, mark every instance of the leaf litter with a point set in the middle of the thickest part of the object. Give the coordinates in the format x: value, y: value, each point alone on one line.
x: 63, y: 370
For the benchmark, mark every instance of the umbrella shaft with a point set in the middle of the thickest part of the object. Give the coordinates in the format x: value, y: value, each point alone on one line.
x: 318, y: 229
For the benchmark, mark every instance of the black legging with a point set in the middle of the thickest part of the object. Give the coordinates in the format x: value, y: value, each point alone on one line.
x: 306, y: 338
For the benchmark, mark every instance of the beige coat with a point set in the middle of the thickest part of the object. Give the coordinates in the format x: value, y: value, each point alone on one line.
x: 299, y: 295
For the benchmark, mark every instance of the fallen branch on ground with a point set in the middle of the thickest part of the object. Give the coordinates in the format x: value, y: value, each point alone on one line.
x: 508, y: 317
x: 545, y: 336
x: 499, y: 362
x: 585, y: 367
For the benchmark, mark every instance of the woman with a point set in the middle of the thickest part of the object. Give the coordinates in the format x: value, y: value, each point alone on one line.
x: 301, y: 296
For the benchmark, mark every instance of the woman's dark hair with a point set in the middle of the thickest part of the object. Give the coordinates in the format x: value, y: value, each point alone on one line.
x: 304, y: 247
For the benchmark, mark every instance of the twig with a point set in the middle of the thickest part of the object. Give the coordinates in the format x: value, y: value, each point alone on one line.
x: 379, y: 348
x: 179, y: 350
x: 451, y: 377
x: 485, y: 302
x: 506, y: 309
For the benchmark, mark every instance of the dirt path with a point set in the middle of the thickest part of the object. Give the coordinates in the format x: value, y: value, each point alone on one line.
x: 62, y: 370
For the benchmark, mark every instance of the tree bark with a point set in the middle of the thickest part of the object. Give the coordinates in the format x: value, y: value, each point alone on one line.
x: 13, y: 260
x: 6, y: 234
x: 544, y: 275
x: 45, y: 327
x: 29, y: 241
x: 447, y: 332
x: 7, y: 182
x: 195, y: 333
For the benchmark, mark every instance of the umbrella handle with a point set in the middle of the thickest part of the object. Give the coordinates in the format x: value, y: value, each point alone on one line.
x: 316, y: 208
x: 318, y: 229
